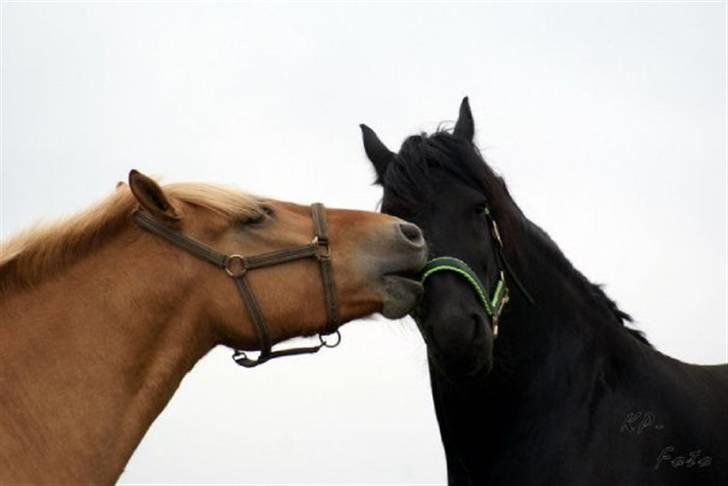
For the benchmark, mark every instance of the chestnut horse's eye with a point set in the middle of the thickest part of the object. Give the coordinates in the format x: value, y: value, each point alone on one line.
x: 263, y: 213
x: 257, y: 219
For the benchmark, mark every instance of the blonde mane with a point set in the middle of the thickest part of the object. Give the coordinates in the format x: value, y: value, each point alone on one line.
x: 30, y: 256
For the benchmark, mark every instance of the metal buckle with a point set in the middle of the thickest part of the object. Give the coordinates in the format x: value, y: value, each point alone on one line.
x: 497, y: 314
x: 503, y: 302
x: 323, y: 250
x: 235, y: 272
x: 330, y: 345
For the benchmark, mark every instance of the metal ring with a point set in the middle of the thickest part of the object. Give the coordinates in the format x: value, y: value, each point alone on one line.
x: 329, y: 345
x: 235, y: 273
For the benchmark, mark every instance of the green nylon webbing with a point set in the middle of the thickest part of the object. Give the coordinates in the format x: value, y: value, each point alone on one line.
x: 458, y: 266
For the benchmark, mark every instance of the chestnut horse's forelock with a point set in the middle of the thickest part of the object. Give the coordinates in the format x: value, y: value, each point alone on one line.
x: 44, y: 250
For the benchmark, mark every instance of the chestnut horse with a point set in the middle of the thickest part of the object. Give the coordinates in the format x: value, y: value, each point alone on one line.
x: 102, y: 318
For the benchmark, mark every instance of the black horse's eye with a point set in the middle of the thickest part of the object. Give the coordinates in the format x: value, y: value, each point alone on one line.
x: 480, y: 208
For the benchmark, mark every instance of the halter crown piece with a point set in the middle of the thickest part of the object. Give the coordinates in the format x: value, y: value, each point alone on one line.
x: 237, y: 266
x: 493, y: 304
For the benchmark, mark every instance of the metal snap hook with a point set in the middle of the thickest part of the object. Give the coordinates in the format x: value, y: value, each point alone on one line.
x: 330, y: 345
x: 242, y: 359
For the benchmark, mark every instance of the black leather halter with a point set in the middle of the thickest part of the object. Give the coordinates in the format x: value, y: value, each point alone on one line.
x: 237, y: 266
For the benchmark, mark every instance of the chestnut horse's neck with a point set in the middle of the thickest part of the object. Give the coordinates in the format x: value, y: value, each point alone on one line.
x: 90, y: 358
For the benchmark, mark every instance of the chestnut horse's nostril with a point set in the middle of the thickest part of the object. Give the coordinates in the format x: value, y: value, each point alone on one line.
x: 412, y: 233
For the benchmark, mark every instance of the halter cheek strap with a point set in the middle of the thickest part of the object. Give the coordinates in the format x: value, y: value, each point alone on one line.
x: 493, y: 304
x: 237, y: 266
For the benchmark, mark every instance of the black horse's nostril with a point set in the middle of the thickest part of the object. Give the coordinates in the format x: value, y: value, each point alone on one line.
x: 412, y: 233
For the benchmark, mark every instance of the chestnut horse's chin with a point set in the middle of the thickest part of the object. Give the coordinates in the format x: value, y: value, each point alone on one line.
x: 400, y: 296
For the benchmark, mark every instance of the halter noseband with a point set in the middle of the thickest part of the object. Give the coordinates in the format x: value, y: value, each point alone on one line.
x: 494, y: 304
x: 237, y: 266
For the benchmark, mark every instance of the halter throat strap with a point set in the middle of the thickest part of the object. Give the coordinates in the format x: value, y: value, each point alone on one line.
x: 237, y: 266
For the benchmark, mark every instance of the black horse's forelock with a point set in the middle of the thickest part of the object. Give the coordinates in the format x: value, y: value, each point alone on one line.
x: 410, y: 177
x: 410, y: 180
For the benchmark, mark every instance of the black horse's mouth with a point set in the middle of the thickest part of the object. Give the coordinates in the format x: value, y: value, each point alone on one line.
x: 462, y: 350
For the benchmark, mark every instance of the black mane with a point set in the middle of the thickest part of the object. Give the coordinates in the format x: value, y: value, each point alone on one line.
x: 410, y: 179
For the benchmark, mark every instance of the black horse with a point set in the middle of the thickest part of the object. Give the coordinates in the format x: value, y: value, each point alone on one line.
x: 566, y: 394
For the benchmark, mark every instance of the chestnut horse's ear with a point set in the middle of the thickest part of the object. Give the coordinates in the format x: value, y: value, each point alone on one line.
x: 151, y: 197
x: 378, y: 153
x: 465, y: 127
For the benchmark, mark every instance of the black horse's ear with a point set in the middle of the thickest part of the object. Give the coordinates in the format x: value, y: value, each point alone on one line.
x: 378, y: 153
x: 465, y: 127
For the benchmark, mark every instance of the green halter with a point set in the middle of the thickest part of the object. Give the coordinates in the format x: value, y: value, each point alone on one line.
x: 493, y: 304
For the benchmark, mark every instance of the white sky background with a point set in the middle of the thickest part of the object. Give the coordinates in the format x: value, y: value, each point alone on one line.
x: 607, y: 120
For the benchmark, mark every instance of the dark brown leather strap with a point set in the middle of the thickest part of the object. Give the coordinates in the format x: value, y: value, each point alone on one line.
x: 237, y: 266
x: 261, y: 327
x: 280, y: 256
x: 200, y: 250
x: 327, y: 272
